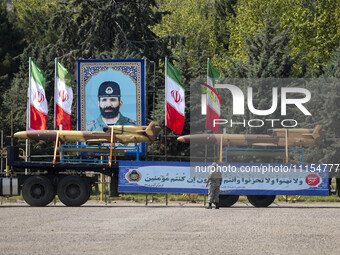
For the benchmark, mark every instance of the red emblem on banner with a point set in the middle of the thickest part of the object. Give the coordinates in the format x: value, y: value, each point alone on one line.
x: 39, y: 97
x: 312, y: 179
x: 176, y: 96
x: 63, y: 95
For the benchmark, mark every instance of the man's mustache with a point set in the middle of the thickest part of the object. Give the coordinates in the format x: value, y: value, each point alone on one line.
x: 109, y: 112
x: 109, y: 109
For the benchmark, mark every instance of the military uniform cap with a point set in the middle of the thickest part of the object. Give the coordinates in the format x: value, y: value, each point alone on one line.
x: 214, y: 164
x: 109, y: 89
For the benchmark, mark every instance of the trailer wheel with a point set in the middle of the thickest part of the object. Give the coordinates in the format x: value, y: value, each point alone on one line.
x: 261, y: 200
x: 38, y: 191
x: 228, y: 200
x: 73, y: 191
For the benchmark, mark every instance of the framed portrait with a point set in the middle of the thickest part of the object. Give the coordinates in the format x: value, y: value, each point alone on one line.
x: 111, y: 92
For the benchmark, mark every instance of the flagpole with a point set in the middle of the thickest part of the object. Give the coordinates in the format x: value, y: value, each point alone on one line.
x: 165, y: 138
x: 204, y: 99
x: 55, y: 86
x: 28, y: 120
x: 166, y: 73
x: 207, y: 69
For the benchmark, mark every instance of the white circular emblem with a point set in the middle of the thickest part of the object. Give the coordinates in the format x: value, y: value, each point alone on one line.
x: 108, y: 90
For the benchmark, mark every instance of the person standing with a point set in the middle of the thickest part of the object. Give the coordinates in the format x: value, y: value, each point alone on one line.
x: 214, y: 181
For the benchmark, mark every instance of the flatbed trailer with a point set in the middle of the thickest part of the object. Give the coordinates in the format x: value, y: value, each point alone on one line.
x: 39, y: 182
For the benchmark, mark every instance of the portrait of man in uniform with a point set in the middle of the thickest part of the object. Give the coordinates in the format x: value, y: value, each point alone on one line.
x: 111, y: 92
x: 109, y: 103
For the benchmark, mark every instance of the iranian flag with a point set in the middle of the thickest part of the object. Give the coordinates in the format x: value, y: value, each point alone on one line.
x: 213, y: 100
x: 63, y: 96
x: 37, y: 98
x: 175, y: 101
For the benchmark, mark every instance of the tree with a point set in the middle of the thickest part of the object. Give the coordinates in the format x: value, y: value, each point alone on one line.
x: 331, y: 110
x: 16, y: 96
x: 11, y: 45
x: 312, y: 25
x: 110, y: 29
x: 33, y: 18
x: 194, y: 20
x: 315, y: 29
x: 267, y: 54
x: 90, y: 27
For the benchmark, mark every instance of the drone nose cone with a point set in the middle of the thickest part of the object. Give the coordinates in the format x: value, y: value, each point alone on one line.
x: 21, y: 134
x: 182, y: 139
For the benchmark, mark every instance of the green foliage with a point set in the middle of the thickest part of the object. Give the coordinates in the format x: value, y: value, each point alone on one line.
x: 312, y: 25
x: 267, y: 54
x: 193, y: 20
x: 109, y: 30
x: 315, y: 28
x: 16, y: 95
x: 89, y: 27
x: 10, y: 45
x: 331, y: 153
x: 225, y: 13
x: 190, y: 19
x: 32, y: 17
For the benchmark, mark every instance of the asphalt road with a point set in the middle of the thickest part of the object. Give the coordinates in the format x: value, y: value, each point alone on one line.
x: 180, y: 228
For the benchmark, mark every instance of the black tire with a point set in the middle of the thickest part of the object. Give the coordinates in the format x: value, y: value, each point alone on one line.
x: 261, y: 200
x: 73, y: 191
x: 38, y: 191
x: 228, y: 200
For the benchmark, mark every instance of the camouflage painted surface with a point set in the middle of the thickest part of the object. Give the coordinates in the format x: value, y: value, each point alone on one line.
x: 121, y: 134
x: 275, y: 137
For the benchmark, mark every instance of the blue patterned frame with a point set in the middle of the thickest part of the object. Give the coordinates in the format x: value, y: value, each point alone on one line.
x: 134, y: 68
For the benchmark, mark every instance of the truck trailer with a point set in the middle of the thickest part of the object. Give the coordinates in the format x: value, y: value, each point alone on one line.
x: 40, y: 182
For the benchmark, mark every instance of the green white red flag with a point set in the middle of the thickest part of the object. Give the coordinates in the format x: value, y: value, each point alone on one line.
x: 175, y: 100
x: 213, y: 100
x: 37, y: 98
x: 63, y: 96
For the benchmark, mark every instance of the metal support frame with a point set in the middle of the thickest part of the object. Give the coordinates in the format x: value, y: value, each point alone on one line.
x: 112, y: 144
x: 63, y: 159
x: 251, y: 149
x: 285, y: 150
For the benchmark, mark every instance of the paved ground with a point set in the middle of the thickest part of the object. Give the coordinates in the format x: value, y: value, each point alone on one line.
x: 180, y: 228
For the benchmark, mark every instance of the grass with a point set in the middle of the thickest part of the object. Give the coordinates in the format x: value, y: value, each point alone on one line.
x: 13, y: 199
x: 331, y: 198
x: 155, y: 197
x: 160, y: 197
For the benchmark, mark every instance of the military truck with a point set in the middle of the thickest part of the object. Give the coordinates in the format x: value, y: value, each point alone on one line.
x: 40, y: 182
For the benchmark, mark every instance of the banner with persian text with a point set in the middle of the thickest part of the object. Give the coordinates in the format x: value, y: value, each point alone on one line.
x: 238, y: 179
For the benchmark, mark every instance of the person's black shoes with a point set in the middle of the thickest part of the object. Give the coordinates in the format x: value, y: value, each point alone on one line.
x: 210, y: 206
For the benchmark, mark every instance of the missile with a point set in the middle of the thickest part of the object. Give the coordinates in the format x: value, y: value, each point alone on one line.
x: 121, y: 134
x: 275, y: 137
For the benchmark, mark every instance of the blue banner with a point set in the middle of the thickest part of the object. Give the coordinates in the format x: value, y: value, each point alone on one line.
x: 178, y: 177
